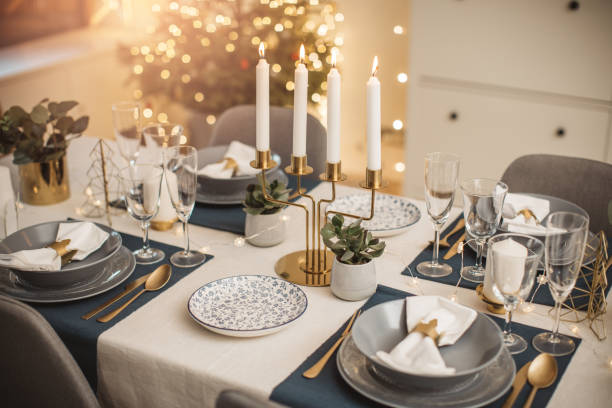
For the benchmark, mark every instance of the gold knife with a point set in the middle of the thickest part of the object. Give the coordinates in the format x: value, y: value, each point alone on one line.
x: 128, y: 288
x: 453, y: 250
x: 517, y: 385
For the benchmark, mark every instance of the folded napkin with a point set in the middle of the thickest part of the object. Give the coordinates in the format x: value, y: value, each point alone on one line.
x: 236, y: 161
x: 8, y: 215
x: 418, y: 353
x: 517, y: 223
x: 85, y: 238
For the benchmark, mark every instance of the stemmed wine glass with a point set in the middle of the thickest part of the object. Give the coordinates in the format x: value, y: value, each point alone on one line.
x: 566, y: 235
x: 159, y: 136
x: 513, y: 260
x: 142, y: 183
x: 127, y: 125
x: 483, y: 200
x: 181, y: 166
x: 441, y: 170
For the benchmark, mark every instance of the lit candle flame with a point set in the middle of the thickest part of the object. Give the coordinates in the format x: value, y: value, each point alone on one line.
x: 261, y: 50
x: 302, y: 54
x: 375, y: 66
x: 333, y: 58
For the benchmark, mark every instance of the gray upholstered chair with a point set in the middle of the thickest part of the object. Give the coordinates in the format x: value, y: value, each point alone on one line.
x: 587, y: 183
x: 238, y: 123
x: 239, y: 399
x: 37, y: 369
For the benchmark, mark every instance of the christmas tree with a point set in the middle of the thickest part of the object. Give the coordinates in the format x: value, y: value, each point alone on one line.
x: 202, y: 53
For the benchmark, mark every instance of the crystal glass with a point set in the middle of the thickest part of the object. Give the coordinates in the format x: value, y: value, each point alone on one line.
x: 181, y: 166
x: 128, y: 130
x: 483, y: 200
x: 566, y: 235
x: 157, y: 137
x: 441, y: 171
x: 513, y: 261
x: 142, y: 183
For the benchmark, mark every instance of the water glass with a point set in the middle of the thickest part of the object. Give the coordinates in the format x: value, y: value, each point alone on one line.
x: 483, y: 200
x: 441, y: 171
x: 181, y: 166
x: 128, y: 130
x: 142, y: 183
x: 513, y: 261
x: 566, y: 236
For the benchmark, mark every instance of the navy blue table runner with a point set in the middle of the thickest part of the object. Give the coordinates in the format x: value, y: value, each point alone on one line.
x: 330, y: 390
x: 81, y: 336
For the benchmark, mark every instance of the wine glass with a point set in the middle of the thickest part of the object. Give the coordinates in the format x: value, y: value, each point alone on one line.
x: 513, y: 260
x: 483, y: 200
x: 441, y: 170
x: 127, y: 125
x: 566, y: 235
x: 159, y: 136
x: 181, y: 166
x: 142, y: 183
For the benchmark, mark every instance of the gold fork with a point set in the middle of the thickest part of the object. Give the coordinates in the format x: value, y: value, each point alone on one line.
x: 315, y: 370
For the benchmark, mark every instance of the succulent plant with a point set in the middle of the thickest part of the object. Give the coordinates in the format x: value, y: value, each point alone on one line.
x: 255, y: 203
x: 41, y: 135
x: 353, y: 244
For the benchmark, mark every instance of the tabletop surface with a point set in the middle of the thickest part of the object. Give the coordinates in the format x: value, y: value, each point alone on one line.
x: 159, y: 357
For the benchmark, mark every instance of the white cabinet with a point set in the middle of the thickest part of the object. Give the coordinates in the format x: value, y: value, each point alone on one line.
x: 492, y: 80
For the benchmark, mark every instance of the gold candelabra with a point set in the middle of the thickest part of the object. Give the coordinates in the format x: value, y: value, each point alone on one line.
x: 311, y: 267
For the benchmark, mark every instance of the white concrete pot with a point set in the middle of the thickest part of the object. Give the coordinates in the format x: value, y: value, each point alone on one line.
x: 265, y: 230
x: 353, y: 282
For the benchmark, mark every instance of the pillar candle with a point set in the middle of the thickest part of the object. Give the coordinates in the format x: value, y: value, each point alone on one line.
x: 333, y: 113
x: 300, y: 101
x: 373, y: 118
x: 262, y: 105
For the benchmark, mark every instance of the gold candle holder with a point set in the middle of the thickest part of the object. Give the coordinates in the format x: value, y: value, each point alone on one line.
x: 263, y: 160
x: 312, y: 266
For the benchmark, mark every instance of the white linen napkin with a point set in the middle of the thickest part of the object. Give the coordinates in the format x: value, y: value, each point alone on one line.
x: 241, y: 156
x: 8, y: 215
x: 517, y: 223
x: 85, y: 237
x: 417, y: 353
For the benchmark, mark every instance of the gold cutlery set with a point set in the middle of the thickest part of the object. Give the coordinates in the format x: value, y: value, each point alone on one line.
x: 541, y: 373
x: 152, y: 282
x: 453, y: 247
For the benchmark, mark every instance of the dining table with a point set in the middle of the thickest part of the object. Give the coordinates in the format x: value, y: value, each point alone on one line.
x: 158, y: 356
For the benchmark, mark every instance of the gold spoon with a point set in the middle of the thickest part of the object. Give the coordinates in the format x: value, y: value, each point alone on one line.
x: 542, y: 373
x: 155, y: 281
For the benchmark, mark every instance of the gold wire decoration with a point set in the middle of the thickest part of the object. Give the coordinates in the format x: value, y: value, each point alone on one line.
x: 311, y: 267
x: 591, y: 298
x: 103, y: 186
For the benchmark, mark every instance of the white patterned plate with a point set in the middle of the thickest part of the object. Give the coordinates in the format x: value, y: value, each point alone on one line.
x: 247, y: 305
x: 392, y: 214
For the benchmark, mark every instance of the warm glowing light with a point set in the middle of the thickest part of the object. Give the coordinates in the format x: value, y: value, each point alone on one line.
x: 205, y: 42
x: 402, y: 77
x: 339, y: 41
x: 398, y: 124
x: 162, y: 117
x: 400, y: 167
x: 289, y: 85
x: 233, y: 36
x: 398, y: 29
x: 375, y: 66
x: 309, y: 26
x: 155, y: 8
x: 333, y: 58
x: 164, y: 74
x: 278, y: 27
x: 276, y: 68
x: 288, y: 24
x: 574, y: 329
x: 322, y: 30
x: 162, y: 46
x: 316, y: 97
x: 150, y: 58
x: 174, y: 6
x: 313, y: 56
x: 147, y: 113
x: 197, y: 24
x: 321, y: 48
x: 453, y: 298
x: 255, y: 40
x: 239, y: 242
x: 264, y: 1
x: 273, y: 4
x: 137, y: 94
x: 266, y: 20
x: 339, y: 17
x: 219, y: 19
x: 211, y: 119
x: 314, y: 2
x: 198, y: 97
x: 144, y: 50
x: 138, y: 69
x: 211, y: 28
x: 324, y: 85
x: 229, y: 47
x: 183, y: 139
x: 262, y: 52
x: 134, y: 51
x: 413, y: 281
x: 185, y: 78
x: 302, y: 53
x: 317, y: 64
x: 170, y: 53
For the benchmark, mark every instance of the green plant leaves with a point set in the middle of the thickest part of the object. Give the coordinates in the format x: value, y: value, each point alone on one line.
x: 79, y: 125
x: 352, y: 244
x: 255, y: 201
x: 40, y: 115
x: 59, y: 110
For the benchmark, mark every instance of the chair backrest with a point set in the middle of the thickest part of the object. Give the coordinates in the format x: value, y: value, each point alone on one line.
x: 239, y: 399
x: 586, y: 183
x: 238, y: 123
x: 37, y: 369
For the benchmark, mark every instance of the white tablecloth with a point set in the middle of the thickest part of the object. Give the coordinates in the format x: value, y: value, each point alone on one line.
x: 159, y: 357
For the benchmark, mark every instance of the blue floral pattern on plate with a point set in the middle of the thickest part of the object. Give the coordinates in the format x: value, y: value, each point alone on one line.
x: 247, y: 305
x: 392, y: 214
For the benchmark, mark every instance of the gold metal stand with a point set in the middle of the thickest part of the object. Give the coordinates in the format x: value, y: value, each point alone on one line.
x: 312, y: 266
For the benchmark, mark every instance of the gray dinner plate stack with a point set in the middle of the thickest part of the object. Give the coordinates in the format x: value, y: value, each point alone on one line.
x: 102, y: 270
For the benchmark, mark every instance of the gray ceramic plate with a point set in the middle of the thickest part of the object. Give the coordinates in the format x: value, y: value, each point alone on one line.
x: 487, y: 386
x: 41, y: 235
x: 383, y: 326
x: 228, y: 191
x: 109, y: 274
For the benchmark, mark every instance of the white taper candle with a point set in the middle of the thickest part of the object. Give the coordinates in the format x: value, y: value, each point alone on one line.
x: 262, y: 104
x: 373, y: 118
x: 333, y: 113
x: 300, y: 102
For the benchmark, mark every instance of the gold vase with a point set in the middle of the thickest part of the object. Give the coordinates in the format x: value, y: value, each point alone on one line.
x: 44, y: 183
